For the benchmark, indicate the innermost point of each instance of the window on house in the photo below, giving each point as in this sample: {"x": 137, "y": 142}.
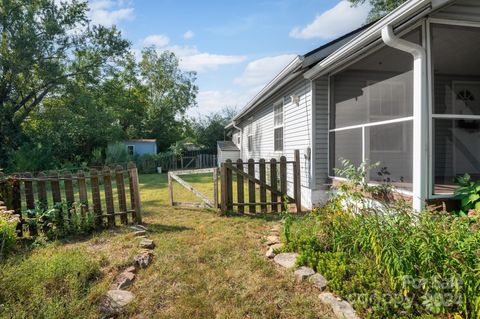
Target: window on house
{"x": 278, "y": 126}
{"x": 131, "y": 149}
{"x": 238, "y": 140}
{"x": 250, "y": 135}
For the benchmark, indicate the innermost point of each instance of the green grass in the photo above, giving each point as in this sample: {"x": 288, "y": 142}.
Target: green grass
{"x": 205, "y": 266}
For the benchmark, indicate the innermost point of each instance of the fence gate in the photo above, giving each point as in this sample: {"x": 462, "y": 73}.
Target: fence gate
{"x": 206, "y": 202}
{"x": 276, "y": 184}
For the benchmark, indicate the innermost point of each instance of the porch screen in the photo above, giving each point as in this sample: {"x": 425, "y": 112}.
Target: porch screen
{"x": 456, "y": 107}
{"x": 372, "y": 102}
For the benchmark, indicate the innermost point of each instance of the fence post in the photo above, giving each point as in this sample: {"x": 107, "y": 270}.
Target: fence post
{"x": 107, "y": 180}
{"x": 68, "y": 183}
{"x": 97, "y": 204}
{"x": 251, "y": 187}
{"x": 229, "y": 185}
{"x": 273, "y": 182}
{"x": 240, "y": 188}
{"x": 223, "y": 188}
{"x": 42, "y": 190}
{"x": 170, "y": 188}
{"x": 30, "y": 200}
{"x": 283, "y": 181}
{"x": 135, "y": 192}
{"x": 215, "y": 187}
{"x": 297, "y": 188}
{"x": 122, "y": 198}
{"x": 55, "y": 185}
{"x": 17, "y": 203}
{"x": 263, "y": 190}
{"x": 82, "y": 193}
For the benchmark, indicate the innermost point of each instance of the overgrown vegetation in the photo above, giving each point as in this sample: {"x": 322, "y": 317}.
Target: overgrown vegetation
{"x": 388, "y": 260}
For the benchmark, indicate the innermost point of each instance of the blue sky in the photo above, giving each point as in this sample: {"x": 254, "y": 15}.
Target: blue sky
{"x": 235, "y": 47}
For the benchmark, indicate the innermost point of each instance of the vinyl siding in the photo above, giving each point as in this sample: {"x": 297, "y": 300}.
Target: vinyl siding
{"x": 297, "y": 132}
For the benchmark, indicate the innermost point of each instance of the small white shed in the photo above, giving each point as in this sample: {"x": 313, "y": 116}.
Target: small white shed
{"x": 227, "y": 150}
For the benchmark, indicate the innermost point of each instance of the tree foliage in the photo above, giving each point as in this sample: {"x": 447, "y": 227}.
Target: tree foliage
{"x": 211, "y": 128}
{"x": 380, "y": 8}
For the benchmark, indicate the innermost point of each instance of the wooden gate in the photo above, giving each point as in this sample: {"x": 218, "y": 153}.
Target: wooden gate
{"x": 276, "y": 184}
{"x": 206, "y": 202}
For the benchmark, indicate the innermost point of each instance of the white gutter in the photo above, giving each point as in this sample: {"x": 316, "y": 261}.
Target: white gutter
{"x": 420, "y": 113}
{"x": 397, "y": 16}
{"x": 266, "y": 91}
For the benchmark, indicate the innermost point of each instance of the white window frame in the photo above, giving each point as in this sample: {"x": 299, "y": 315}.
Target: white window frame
{"x": 276, "y": 126}
{"x": 431, "y": 102}
{"x": 250, "y": 135}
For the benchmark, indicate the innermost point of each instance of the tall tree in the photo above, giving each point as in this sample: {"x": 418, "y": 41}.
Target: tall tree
{"x": 171, "y": 92}
{"x": 43, "y": 45}
{"x": 211, "y": 128}
{"x": 379, "y": 7}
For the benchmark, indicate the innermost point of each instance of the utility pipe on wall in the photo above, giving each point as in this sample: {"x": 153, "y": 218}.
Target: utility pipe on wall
{"x": 420, "y": 113}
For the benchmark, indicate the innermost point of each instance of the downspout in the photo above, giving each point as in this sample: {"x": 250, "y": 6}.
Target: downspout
{"x": 234, "y": 125}
{"x": 420, "y": 113}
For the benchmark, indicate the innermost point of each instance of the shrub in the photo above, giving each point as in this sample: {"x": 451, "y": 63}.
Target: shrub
{"x": 116, "y": 153}
{"x": 8, "y": 234}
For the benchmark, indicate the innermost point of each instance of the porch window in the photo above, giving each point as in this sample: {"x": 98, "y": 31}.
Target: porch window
{"x": 456, "y": 105}
{"x": 278, "y": 126}
{"x": 371, "y": 115}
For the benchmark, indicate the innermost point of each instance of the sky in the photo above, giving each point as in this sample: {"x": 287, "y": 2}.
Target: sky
{"x": 236, "y": 47}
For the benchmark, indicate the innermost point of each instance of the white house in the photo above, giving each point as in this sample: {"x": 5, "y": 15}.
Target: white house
{"x": 403, "y": 91}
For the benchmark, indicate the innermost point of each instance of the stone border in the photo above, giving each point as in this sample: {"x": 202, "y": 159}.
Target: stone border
{"x": 341, "y": 308}
{"x": 118, "y": 296}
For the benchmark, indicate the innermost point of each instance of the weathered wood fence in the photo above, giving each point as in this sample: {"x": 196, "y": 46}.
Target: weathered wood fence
{"x": 23, "y": 191}
{"x": 205, "y": 201}
{"x": 275, "y": 184}
{"x": 173, "y": 162}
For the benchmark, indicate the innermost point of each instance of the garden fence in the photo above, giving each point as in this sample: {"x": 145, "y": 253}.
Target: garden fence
{"x": 23, "y": 191}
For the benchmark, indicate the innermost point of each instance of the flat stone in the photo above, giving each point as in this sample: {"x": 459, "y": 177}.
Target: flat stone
{"x": 115, "y": 301}
{"x": 272, "y": 240}
{"x": 303, "y": 273}
{"x": 140, "y": 233}
{"x": 124, "y": 280}
{"x": 147, "y": 243}
{"x": 286, "y": 260}
{"x": 318, "y": 281}
{"x": 143, "y": 260}
{"x": 271, "y": 250}
{"x": 341, "y": 308}
{"x": 131, "y": 269}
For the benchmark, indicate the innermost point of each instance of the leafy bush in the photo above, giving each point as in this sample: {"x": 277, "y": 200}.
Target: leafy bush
{"x": 116, "y": 153}
{"x": 47, "y": 283}
{"x": 32, "y": 158}
{"x": 8, "y": 234}
{"x": 468, "y": 193}
{"x": 390, "y": 261}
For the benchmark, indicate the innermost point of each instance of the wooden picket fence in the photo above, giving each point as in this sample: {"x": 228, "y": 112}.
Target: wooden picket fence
{"x": 22, "y": 191}
{"x": 277, "y": 185}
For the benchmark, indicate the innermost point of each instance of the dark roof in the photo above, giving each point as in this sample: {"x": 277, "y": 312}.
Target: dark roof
{"x": 227, "y": 146}
{"x": 325, "y": 50}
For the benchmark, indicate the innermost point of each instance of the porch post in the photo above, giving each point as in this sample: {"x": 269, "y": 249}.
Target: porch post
{"x": 420, "y": 113}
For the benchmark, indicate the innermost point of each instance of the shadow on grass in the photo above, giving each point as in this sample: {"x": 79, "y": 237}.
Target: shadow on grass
{"x": 269, "y": 217}
{"x": 160, "y": 228}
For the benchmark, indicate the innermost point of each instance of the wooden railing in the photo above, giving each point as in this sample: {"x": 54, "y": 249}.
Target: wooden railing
{"x": 108, "y": 190}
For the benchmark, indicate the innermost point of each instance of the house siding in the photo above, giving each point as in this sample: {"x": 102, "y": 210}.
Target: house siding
{"x": 321, "y": 135}
{"x": 297, "y": 132}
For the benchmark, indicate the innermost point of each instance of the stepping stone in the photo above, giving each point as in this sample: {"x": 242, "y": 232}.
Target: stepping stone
{"x": 125, "y": 280}
{"x": 143, "y": 260}
{"x": 131, "y": 269}
{"x": 115, "y": 301}
{"x": 271, "y": 250}
{"x": 140, "y": 233}
{"x": 341, "y": 308}
{"x": 147, "y": 243}
{"x": 286, "y": 260}
{"x": 303, "y": 273}
{"x": 318, "y": 281}
{"x": 272, "y": 240}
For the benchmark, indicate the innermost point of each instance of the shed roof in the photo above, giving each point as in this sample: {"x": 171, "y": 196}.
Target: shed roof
{"x": 227, "y": 146}
{"x": 142, "y": 140}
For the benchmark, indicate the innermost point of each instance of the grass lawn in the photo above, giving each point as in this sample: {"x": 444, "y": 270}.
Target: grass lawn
{"x": 205, "y": 266}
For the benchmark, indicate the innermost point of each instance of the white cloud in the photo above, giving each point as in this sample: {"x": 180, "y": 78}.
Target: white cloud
{"x": 210, "y": 101}
{"x": 109, "y": 12}
{"x": 191, "y": 59}
{"x": 259, "y": 72}
{"x": 158, "y": 40}
{"x": 188, "y": 35}
{"x": 335, "y": 22}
